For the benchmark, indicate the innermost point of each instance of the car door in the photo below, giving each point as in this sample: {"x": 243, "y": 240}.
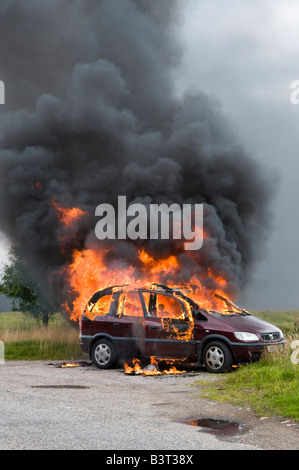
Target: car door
{"x": 98, "y": 312}
{"x": 169, "y": 331}
{"x": 119, "y": 316}
{"x": 128, "y": 325}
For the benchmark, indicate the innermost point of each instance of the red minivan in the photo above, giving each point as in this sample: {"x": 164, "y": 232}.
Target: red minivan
{"x": 123, "y": 323}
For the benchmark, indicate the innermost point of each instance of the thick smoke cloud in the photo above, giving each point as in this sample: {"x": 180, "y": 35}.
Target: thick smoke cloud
{"x": 92, "y": 114}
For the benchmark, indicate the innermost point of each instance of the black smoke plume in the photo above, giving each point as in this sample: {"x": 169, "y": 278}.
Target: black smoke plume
{"x": 91, "y": 114}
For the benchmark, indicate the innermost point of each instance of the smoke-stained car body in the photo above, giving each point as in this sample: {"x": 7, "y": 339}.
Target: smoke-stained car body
{"x": 162, "y": 322}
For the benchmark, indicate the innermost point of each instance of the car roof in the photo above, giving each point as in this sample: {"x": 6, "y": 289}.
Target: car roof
{"x": 155, "y": 289}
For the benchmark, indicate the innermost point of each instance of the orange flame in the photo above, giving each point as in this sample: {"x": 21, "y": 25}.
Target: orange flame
{"x": 68, "y": 216}
{"x": 158, "y": 266}
{"x": 70, "y": 364}
{"x": 89, "y": 272}
{"x": 137, "y": 369}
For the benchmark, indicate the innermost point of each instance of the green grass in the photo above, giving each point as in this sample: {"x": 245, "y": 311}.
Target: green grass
{"x": 270, "y": 386}
{"x": 33, "y": 350}
{"x": 16, "y": 321}
{"x": 24, "y": 339}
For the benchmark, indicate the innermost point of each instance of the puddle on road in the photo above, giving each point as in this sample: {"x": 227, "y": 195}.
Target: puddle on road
{"x": 221, "y": 427}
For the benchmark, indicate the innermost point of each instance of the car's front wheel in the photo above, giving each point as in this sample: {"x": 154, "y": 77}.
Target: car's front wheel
{"x": 103, "y": 354}
{"x": 217, "y": 357}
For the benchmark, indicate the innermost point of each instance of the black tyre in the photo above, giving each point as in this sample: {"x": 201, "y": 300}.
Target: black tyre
{"x": 217, "y": 357}
{"x": 103, "y": 354}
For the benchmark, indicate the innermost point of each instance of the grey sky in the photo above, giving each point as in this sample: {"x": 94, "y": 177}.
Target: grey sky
{"x": 246, "y": 55}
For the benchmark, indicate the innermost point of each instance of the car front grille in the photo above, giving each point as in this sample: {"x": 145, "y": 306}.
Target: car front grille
{"x": 270, "y": 336}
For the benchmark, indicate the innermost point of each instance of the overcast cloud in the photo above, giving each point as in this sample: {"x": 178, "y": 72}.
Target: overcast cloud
{"x": 246, "y": 55}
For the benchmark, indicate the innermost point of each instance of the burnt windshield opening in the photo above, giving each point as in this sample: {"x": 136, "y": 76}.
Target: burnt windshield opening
{"x": 229, "y": 308}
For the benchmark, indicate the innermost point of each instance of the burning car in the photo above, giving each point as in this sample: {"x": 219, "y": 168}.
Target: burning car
{"x": 121, "y": 322}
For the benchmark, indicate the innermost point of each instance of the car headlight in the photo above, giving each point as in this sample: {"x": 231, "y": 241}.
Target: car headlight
{"x": 244, "y": 336}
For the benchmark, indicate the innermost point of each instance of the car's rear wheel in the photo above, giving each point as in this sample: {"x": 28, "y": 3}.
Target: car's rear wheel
{"x": 217, "y": 357}
{"x": 103, "y": 354}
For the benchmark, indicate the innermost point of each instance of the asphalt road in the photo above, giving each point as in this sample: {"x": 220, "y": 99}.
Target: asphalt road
{"x": 45, "y": 407}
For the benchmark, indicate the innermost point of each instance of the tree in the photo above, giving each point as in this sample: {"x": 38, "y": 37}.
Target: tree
{"x": 25, "y": 293}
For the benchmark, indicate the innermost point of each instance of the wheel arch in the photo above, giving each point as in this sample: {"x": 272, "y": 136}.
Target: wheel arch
{"x": 96, "y": 337}
{"x": 209, "y": 339}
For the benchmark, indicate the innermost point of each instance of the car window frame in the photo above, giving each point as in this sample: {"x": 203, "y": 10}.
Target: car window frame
{"x": 184, "y": 310}
{"x": 115, "y": 303}
{"x": 95, "y": 298}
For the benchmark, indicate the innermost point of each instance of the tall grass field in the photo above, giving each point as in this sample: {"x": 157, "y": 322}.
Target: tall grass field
{"x": 24, "y": 339}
